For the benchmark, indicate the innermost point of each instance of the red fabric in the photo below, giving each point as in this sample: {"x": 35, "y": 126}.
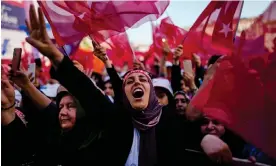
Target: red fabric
{"x": 62, "y": 23}
{"x": 239, "y": 90}
{"x": 121, "y": 51}
{"x": 172, "y": 33}
{"x": 219, "y": 15}
{"x": 72, "y": 20}
{"x": 83, "y": 57}
{"x": 158, "y": 41}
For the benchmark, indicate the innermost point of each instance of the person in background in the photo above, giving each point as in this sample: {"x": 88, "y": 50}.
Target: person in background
{"x": 136, "y": 126}
{"x": 108, "y": 89}
{"x": 211, "y": 126}
{"x": 163, "y": 90}
{"x": 38, "y": 71}
{"x": 199, "y": 70}
{"x": 256, "y": 155}
{"x": 184, "y": 83}
{"x": 97, "y": 77}
{"x": 69, "y": 136}
{"x": 18, "y": 143}
{"x": 181, "y": 102}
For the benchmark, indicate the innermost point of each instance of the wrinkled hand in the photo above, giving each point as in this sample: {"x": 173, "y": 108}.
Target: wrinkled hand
{"x": 189, "y": 78}
{"x": 7, "y": 94}
{"x": 197, "y": 60}
{"x": 21, "y": 79}
{"x": 78, "y": 65}
{"x": 100, "y": 53}
{"x": 178, "y": 52}
{"x": 39, "y": 37}
{"x": 216, "y": 149}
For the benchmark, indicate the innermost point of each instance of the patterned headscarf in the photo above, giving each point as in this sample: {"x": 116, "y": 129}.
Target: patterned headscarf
{"x": 148, "y": 117}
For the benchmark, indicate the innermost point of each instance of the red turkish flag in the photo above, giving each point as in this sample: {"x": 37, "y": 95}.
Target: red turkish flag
{"x": 214, "y": 29}
{"x": 226, "y": 25}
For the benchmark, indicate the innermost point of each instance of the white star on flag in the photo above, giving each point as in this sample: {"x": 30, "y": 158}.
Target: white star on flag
{"x": 225, "y": 29}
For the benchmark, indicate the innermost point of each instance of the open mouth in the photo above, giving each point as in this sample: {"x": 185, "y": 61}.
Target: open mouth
{"x": 138, "y": 93}
{"x": 63, "y": 120}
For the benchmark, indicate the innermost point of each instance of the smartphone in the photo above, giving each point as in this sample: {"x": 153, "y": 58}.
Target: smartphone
{"x": 16, "y": 59}
{"x": 31, "y": 70}
{"x": 187, "y": 64}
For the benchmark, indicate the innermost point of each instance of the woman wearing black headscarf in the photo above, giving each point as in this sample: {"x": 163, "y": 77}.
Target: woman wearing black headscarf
{"x": 135, "y": 130}
{"x": 68, "y": 136}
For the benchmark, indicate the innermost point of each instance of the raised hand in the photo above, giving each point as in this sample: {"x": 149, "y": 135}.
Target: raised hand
{"x": 189, "y": 79}
{"x": 21, "y": 79}
{"x": 216, "y": 149}
{"x": 39, "y": 37}
{"x": 197, "y": 60}
{"x": 178, "y": 52}
{"x": 100, "y": 53}
{"x": 166, "y": 48}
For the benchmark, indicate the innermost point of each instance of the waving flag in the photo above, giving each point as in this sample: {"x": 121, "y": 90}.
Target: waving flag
{"x": 121, "y": 51}
{"x": 73, "y": 20}
{"x": 214, "y": 28}
{"x": 173, "y": 34}
{"x": 239, "y": 90}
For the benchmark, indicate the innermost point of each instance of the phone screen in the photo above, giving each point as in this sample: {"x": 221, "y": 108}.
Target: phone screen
{"x": 187, "y": 64}
{"x": 31, "y": 70}
{"x": 16, "y": 59}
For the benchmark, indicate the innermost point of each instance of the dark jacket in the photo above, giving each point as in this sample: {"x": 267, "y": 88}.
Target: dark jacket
{"x": 17, "y": 144}
{"x": 54, "y": 147}
{"x": 75, "y": 147}
{"x": 114, "y": 119}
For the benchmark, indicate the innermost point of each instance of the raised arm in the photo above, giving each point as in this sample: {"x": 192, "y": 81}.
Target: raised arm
{"x": 116, "y": 82}
{"x": 115, "y": 79}
{"x": 37, "y": 98}
{"x": 176, "y": 70}
{"x": 68, "y": 75}
{"x": 199, "y": 71}
{"x": 163, "y": 68}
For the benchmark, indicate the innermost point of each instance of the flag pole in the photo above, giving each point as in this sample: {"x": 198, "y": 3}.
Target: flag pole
{"x": 133, "y": 52}
{"x": 64, "y": 50}
{"x": 235, "y": 34}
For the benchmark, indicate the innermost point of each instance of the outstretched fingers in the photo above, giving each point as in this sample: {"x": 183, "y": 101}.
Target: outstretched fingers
{"x": 33, "y": 18}
{"x": 42, "y": 24}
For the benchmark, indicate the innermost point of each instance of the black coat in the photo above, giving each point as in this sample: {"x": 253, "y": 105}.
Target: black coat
{"x": 17, "y": 144}
{"x": 42, "y": 142}
{"x": 115, "y": 120}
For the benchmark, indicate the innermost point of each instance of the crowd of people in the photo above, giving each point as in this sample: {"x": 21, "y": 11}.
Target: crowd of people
{"x": 129, "y": 118}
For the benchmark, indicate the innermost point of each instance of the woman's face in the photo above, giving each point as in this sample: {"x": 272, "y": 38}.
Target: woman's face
{"x": 67, "y": 114}
{"x": 137, "y": 89}
{"x": 210, "y": 126}
{"x": 108, "y": 89}
{"x": 161, "y": 96}
{"x": 184, "y": 87}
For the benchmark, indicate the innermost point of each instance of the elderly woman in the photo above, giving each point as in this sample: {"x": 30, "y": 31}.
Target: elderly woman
{"x": 135, "y": 128}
